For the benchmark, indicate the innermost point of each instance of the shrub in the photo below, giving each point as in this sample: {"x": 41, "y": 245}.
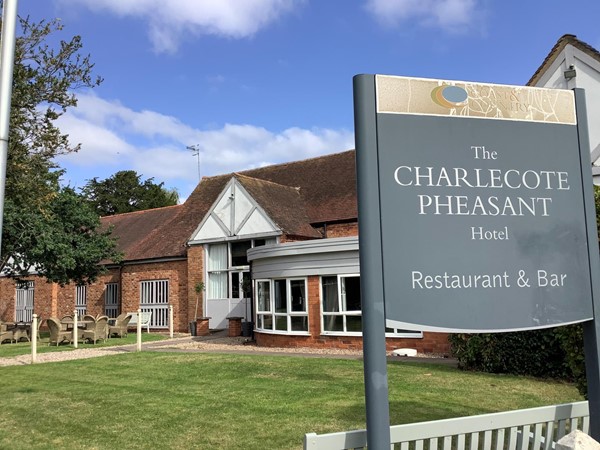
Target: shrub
{"x": 536, "y": 353}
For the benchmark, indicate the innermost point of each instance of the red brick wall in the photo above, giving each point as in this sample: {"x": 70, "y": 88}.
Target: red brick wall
{"x": 429, "y": 343}
{"x": 44, "y": 298}
{"x": 195, "y": 274}
{"x": 174, "y": 271}
{"x": 335, "y": 230}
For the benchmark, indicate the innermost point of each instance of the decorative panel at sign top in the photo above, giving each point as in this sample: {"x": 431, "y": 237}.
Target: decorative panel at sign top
{"x": 444, "y": 98}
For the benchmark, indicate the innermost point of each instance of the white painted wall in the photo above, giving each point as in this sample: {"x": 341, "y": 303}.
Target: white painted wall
{"x": 588, "y": 78}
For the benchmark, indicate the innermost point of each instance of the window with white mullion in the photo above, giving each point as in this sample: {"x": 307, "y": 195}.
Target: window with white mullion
{"x": 341, "y": 304}
{"x": 111, "y": 300}
{"x": 282, "y": 305}
{"x": 81, "y": 300}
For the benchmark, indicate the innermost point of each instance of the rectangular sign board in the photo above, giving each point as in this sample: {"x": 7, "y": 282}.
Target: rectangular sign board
{"x": 478, "y": 219}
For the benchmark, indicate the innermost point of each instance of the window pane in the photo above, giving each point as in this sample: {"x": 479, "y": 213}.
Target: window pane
{"x": 238, "y": 253}
{"x": 354, "y": 323}
{"x": 265, "y": 321}
{"x": 298, "y": 288}
{"x": 280, "y": 296}
{"x": 281, "y": 323}
{"x": 235, "y": 285}
{"x": 217, "y": 285}
{"x": 259, "y": 242}
{"x": 300, "y": 323}
{"x": 264, "y": 295}
{"x": 333, "y": 323}
{"x": 217, "y": 257}
{"x": 330, "y": 294}
{"x": 351, "y": 292}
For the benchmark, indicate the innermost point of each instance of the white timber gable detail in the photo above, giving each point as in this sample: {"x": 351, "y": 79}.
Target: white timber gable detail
{"x": 574, "y": 68}
{"x": 234, "y": 215}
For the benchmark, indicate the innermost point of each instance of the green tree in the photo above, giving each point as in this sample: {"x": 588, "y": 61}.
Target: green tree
{"x": 126, "y": 192}
{"x": 35, "y": 222}
{"x": 65, "y": 242}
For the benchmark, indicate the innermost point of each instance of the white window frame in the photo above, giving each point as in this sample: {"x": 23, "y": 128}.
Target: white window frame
{"x": 81, "y": 300}
{"x": 342, "y": 312}
{"x": 24, "y": 301}
{"x": 229, "y": 268}
{"x": 289, "y": 314}
{"x": 154, "y": 298}
{"x": 111, "y": 299}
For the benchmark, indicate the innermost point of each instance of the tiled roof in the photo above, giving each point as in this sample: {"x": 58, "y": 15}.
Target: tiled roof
{"x": 283, "y": 204}
{"x": 294, "y": 195}
{"x": 144, "y": 234}
{"x": 327, "y": 184}
{"x": 564, "y": 40}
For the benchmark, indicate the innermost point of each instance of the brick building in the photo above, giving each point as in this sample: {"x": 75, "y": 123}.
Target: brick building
{"x": 230, "y": 224}
{"x": 275, "y": 246}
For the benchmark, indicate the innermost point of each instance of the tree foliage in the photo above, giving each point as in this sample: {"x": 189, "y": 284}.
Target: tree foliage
{"x": 39, "y": 233}
{"x": 126, "y": 192}
{"x": 65, "y": 242}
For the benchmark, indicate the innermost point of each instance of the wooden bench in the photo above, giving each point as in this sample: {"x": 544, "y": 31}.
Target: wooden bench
{"x": 144, "y": 319}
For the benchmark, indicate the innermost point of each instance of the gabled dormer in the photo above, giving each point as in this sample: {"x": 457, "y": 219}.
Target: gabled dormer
{"x": 234, "y": 215}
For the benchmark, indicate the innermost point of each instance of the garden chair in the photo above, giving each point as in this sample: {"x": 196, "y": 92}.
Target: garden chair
{"x": 68, "y": 317}
{"x": 5, "y": 333}
{"x": 120, "y": 326}
{"x": 40, "y": 320}
{"x": 97, "y": 330}
{"x": 57, "y": 334}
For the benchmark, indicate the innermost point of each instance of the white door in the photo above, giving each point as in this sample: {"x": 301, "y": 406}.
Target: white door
{"x": 237, "y": 304}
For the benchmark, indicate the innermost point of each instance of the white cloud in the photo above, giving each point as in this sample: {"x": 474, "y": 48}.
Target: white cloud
{"x": 115, "y": 137}
{"x": 452, "y": 15}
{"x": 170, "y": 20}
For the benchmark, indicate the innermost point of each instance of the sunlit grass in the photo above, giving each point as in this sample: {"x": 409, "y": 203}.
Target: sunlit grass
{"x": 215, "y": 401}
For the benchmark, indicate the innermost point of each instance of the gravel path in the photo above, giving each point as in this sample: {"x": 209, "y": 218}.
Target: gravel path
{"x": 189, "y": 344}
{"x": 81, "y": 353}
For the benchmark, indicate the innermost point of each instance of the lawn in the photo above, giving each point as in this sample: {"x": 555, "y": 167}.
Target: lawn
{"x": 23, "y": 348}
{"x": 217, "y": 401}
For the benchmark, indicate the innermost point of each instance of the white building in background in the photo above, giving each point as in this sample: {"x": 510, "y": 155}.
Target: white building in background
{"x": 574, "y": 64}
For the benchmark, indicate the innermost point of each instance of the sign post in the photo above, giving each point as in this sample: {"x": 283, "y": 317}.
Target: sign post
{"x": 476, "y": 211}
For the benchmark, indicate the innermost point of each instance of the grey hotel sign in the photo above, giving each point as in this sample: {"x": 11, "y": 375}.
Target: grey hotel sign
{"x": 478, "y": 217}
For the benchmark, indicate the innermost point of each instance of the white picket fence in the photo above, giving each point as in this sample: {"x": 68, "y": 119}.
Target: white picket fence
{"x": 525, "y": 429}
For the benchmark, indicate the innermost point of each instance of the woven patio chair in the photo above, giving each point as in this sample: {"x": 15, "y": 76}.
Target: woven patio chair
{"x": 57, "y": 334}
{"x": 5, "y": 333}
{"x": 120, "y": 326}
{"x": 97, "y": 330}
{"x": 64, "y": 326}
{"x": 40, "y": 320}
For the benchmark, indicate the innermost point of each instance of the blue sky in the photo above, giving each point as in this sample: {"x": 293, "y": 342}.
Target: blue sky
{"x": 255, "y": 82}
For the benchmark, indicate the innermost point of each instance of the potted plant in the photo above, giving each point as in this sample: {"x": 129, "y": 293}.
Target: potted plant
{"x": 198, "y": 288}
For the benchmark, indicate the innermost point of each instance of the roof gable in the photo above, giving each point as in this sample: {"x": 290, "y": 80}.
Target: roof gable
{"x": 568, "y": 51}
{"x": 235, "y": 213}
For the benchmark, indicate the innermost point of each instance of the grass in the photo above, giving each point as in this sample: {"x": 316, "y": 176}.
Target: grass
{"x": 24, "y": 348}
{"x": 217, "y": 401}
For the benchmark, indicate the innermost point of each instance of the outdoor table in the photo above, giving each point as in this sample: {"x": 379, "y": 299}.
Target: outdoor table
{"x": 80, "y": 324}
{"x": 20, "y": 330}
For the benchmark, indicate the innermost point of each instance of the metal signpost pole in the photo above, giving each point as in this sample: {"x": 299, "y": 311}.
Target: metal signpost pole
{"x": 591, "y": 330}
{"x": 373, "y": 317}
{"x": 7, "y": 57}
